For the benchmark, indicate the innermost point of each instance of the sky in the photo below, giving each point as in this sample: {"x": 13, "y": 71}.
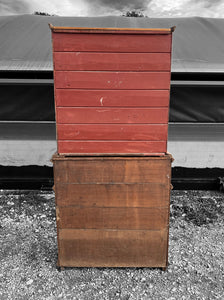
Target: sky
{"x": 150, "y": 8}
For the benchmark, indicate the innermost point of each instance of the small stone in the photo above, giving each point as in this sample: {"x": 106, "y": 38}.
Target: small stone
{"x": 29, "y": 282}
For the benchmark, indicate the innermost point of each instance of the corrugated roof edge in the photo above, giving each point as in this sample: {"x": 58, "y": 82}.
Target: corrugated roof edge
{"x": 112, "y": 30}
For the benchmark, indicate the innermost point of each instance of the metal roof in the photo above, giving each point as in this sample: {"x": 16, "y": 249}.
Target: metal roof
{"x": 25, "y": 40}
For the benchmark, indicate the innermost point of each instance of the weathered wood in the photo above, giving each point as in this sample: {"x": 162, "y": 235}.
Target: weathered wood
{"x": 94, "y": 147}
{"x": 91, "y": 61}
{"x": 136, "y": 132}
{"x": 85, "y": 115}
{"x": 112, "y": 80}
{"x": 111, "y": 42}
{"x": 113, "y": 30}
{"x": 112, "y": 248}
{"x": 106, "y": 76}
{"x": 130, "y": 218}
{"x": 112, "y": 211}
{"x": 112, "y": 195}
{"x": 110, "y": 98}
{"x": 112, "y": 170}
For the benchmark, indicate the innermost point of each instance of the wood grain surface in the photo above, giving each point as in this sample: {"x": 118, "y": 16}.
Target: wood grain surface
{"x": 111, "y": 147}
{"x": 137, "y": 218}
{"x": 99, "y": 115}
{"x": 112, "y": 212}
{"x": 112, "y": 170}
{"x": 112, "y": 195}
{"x": 112, "y": 80}
{"x": 90, "y": 61}
{"x": 111, "y": 42}
{"x": 136, "y": 132}
{"x": 110, "y": 98}
{"x": 112, "y": 248}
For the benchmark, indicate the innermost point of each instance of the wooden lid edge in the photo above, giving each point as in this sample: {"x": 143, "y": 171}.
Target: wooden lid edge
{"x": 111, "y": 30}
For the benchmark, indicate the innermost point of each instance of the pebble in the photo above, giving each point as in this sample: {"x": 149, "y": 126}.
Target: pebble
{"x": 29, "y": 282}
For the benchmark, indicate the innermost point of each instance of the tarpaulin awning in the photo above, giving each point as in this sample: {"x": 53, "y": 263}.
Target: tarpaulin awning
{"x": 25, "y": 40}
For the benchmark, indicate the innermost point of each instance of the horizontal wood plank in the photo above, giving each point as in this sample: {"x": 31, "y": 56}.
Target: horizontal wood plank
{"x": 88, "y": 61}
{"x": 92, "y": 147}
{"x": 136, "y": 132}
{"x": 107, "y": 98}
{"x": 111, "y": 42}
{"x": 99, "y": 115}
{"x": 112, "y": 80}
{"x": 112, "y": 195}
{"x": 112, "y": 248}
{"x": 112, "y": 218}
{"x": 110, "y": 170}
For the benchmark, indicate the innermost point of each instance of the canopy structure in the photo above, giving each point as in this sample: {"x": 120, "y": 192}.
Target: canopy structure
{"x": 25, "y": 42}
{"x": 196, "y": 127}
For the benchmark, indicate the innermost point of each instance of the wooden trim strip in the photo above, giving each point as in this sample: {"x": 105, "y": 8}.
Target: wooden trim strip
{"x": 111, "y": 30}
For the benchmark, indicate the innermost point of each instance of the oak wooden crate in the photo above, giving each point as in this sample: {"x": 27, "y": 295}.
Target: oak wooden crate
{"x": 112, "y": 89}
{"x": 112, "y": 211}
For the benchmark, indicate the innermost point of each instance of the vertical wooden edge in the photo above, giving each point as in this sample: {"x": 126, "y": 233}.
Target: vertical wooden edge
{"x": 58, "y": 239}
{"x": 168, "y": 223}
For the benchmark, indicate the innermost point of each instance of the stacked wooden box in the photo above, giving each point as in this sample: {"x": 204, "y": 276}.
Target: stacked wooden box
{"x": 112, "y": 173}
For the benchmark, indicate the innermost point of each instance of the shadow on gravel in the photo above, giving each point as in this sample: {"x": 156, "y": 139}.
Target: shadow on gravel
{"x": 206, "y": 210}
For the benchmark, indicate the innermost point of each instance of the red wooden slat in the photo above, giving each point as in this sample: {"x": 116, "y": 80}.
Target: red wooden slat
{"x": 146, "y": 147}
{"x": 87, "y": 61}
{"x": 111, "y": 115}
{"x": 112, "y": 80}
{"x": 70, "y": 97}
{"x": 112, "y": 132}
{"x": 111, "y": 42}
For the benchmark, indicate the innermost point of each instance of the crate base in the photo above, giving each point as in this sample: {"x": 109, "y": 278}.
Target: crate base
{"x": 112, "y": 211}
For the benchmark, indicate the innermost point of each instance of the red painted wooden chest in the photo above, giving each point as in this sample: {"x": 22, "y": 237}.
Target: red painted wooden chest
{"x": 112, "y": 89}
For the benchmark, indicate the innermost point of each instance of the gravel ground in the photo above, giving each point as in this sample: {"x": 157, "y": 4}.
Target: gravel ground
{"x": 28, "y": 254}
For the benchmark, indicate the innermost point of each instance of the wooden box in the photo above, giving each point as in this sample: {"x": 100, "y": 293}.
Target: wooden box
{"x": 112, "y": 211}
{"x": 112, "y": 89}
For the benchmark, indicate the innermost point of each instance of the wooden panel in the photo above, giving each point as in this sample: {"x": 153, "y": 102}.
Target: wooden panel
{"x": 109, "y": 170}
{"x": 112, "y": 248}
{"x": 101, "y": 115}
{"x": 111, "y": 42}
{"x": 91, "y": 147}
{"x": 112, "y": 80}
{"x": 105, "y": 98}
{"x": 87, "y": 61}
{"x": 151, "y": 132}
{"x": 112, "y": 195}
{"x": 112, "y": 218}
